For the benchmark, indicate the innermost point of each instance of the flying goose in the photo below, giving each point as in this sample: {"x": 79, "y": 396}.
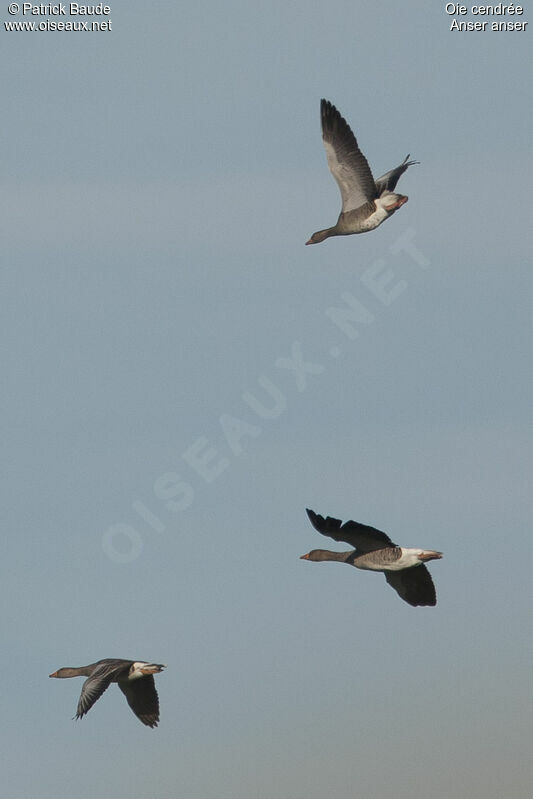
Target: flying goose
{"x": 365, "y": 203}
{"x": 134, "y": 678}
{"x": 404, "y": 568}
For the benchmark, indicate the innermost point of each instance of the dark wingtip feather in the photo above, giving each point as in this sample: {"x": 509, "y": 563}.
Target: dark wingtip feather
{"x": 316, "y": 520}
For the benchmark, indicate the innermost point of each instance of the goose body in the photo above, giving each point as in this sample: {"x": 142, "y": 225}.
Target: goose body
{"x": 365, "y": 203}
{"x": 135, "y": 680}
{"x": 403, "y": 567}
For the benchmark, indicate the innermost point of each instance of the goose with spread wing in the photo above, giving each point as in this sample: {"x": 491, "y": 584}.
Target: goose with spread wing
{"x": 404, "y": 568}
{"x": 134, "y": 678}
{"x": 366, "y": 203}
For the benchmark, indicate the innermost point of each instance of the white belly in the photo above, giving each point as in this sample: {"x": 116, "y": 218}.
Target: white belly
{"x": 408, "y": 558}
{"x": 375, "y": 219}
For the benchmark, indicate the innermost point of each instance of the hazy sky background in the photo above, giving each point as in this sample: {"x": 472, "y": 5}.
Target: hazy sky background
{"x": 159, "y": 182}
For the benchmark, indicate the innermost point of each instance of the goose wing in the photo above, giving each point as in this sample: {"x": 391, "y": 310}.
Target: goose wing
{"x": 347, "y": 163}
{"x": 104, "y": 672}
{"x": 91, "y": 690}
{"x": 388, "y": 181}
{"x": 414, "y": 585}
{"x": 360, "y": 536}
{"x": 142, "y": 698}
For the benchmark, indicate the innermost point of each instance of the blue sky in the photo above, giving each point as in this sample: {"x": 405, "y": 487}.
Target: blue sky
{"x": 159, "y": 182}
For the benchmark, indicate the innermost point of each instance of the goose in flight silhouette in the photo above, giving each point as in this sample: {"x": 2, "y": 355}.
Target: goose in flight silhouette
{"x": 403, "y": 568}
{"x": 365, "y": 203}
{"x": 134, "y": 678}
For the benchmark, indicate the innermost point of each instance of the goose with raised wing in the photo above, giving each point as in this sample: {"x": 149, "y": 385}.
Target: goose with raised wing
{"x": 403, "y": 568}
{"x": 366, "y": 203}
{"x": 134, "y": 678}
